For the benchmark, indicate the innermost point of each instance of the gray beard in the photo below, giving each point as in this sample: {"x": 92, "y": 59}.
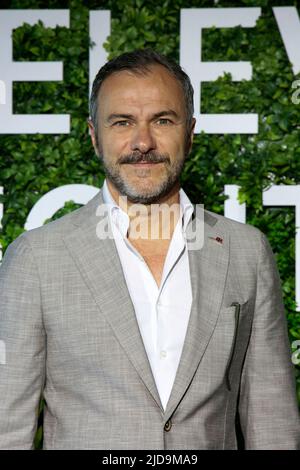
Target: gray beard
{"x": 152, "y": 196}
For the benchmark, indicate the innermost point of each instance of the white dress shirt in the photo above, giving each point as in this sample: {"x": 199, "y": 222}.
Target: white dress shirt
{"x": 162, "y": 312}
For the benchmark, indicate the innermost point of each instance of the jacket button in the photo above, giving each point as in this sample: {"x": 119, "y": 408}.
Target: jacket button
{"x": 168, "y": 425}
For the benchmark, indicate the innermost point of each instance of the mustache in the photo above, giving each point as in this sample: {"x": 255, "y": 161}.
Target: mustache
{"x": 150, "y": 157}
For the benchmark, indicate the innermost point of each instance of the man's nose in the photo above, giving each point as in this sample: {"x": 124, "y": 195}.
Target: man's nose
{"x": 142, "y": 138}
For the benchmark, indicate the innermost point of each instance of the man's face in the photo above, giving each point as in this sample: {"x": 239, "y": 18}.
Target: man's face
{"x": 142, "y": 134}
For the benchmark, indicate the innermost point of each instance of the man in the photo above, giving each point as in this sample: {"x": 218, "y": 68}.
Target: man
{"x": 141, "y": 341}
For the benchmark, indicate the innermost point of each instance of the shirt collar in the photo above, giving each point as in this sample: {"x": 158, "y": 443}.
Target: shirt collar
{"x": 121, "y": 219}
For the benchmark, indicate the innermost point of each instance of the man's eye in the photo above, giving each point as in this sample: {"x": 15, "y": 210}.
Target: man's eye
{"x": 163, "y": 121}
{"x": 121, "y": 123}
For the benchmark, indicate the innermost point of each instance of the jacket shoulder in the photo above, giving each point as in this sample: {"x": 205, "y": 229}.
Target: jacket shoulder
{"x": 238, "y": 231}
{"x": 54, "y": 231}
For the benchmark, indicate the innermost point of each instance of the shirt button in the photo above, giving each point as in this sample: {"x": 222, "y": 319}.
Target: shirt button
{"x": 168, "y": 425}
{"x": 163, "y": 354}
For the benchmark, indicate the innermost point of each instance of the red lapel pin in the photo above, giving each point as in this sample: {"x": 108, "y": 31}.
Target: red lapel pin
{"x": 217, "y": 239}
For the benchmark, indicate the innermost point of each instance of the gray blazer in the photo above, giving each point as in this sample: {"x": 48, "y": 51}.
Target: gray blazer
{"x": 70, "y": 331}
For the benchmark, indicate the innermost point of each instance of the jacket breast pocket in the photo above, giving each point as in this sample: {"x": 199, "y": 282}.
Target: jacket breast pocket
{"x": 241, "y": 317}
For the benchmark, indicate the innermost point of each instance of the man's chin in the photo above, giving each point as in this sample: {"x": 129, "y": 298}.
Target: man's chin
{"x": 143, "y": 196}
{"x": 142, "y": 191}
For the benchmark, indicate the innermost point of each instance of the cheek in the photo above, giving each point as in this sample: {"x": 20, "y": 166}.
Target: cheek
{"x": 172, "y": 142}
{"x": 176, "y": 150}
{"x": 114, "y": 146}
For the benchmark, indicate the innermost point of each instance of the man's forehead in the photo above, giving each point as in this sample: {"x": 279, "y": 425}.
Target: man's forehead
{"x": 147, "y": 72}
{"x": 135, "y": 89}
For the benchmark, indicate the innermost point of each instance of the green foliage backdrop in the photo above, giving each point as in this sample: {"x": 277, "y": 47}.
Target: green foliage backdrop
{"x": 32, "y": 165}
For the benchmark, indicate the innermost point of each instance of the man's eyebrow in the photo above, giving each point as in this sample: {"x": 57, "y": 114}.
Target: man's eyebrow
{"x": 113, "y": 116}
{"x": 166, "y": 112}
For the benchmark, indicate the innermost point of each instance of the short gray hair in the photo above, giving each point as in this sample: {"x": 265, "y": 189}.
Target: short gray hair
{"x": 139, "y": 61}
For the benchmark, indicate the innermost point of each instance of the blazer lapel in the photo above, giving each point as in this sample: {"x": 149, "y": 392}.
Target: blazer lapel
{"x": 99, "y": 264}
{"x": 208, "y": 269}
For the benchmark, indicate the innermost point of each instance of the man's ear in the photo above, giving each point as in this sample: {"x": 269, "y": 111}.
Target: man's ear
{"x": 191, "y": 136}
{"x": 93, "y": 136}
{"x": 193, "y": 128}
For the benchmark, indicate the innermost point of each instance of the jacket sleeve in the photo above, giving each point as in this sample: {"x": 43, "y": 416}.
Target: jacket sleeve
{"x": 268, "y": 409}
{"x": 23, "y": 346}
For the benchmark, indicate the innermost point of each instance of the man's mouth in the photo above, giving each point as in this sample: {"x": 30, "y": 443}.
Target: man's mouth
{"x": 144, "y": 163}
